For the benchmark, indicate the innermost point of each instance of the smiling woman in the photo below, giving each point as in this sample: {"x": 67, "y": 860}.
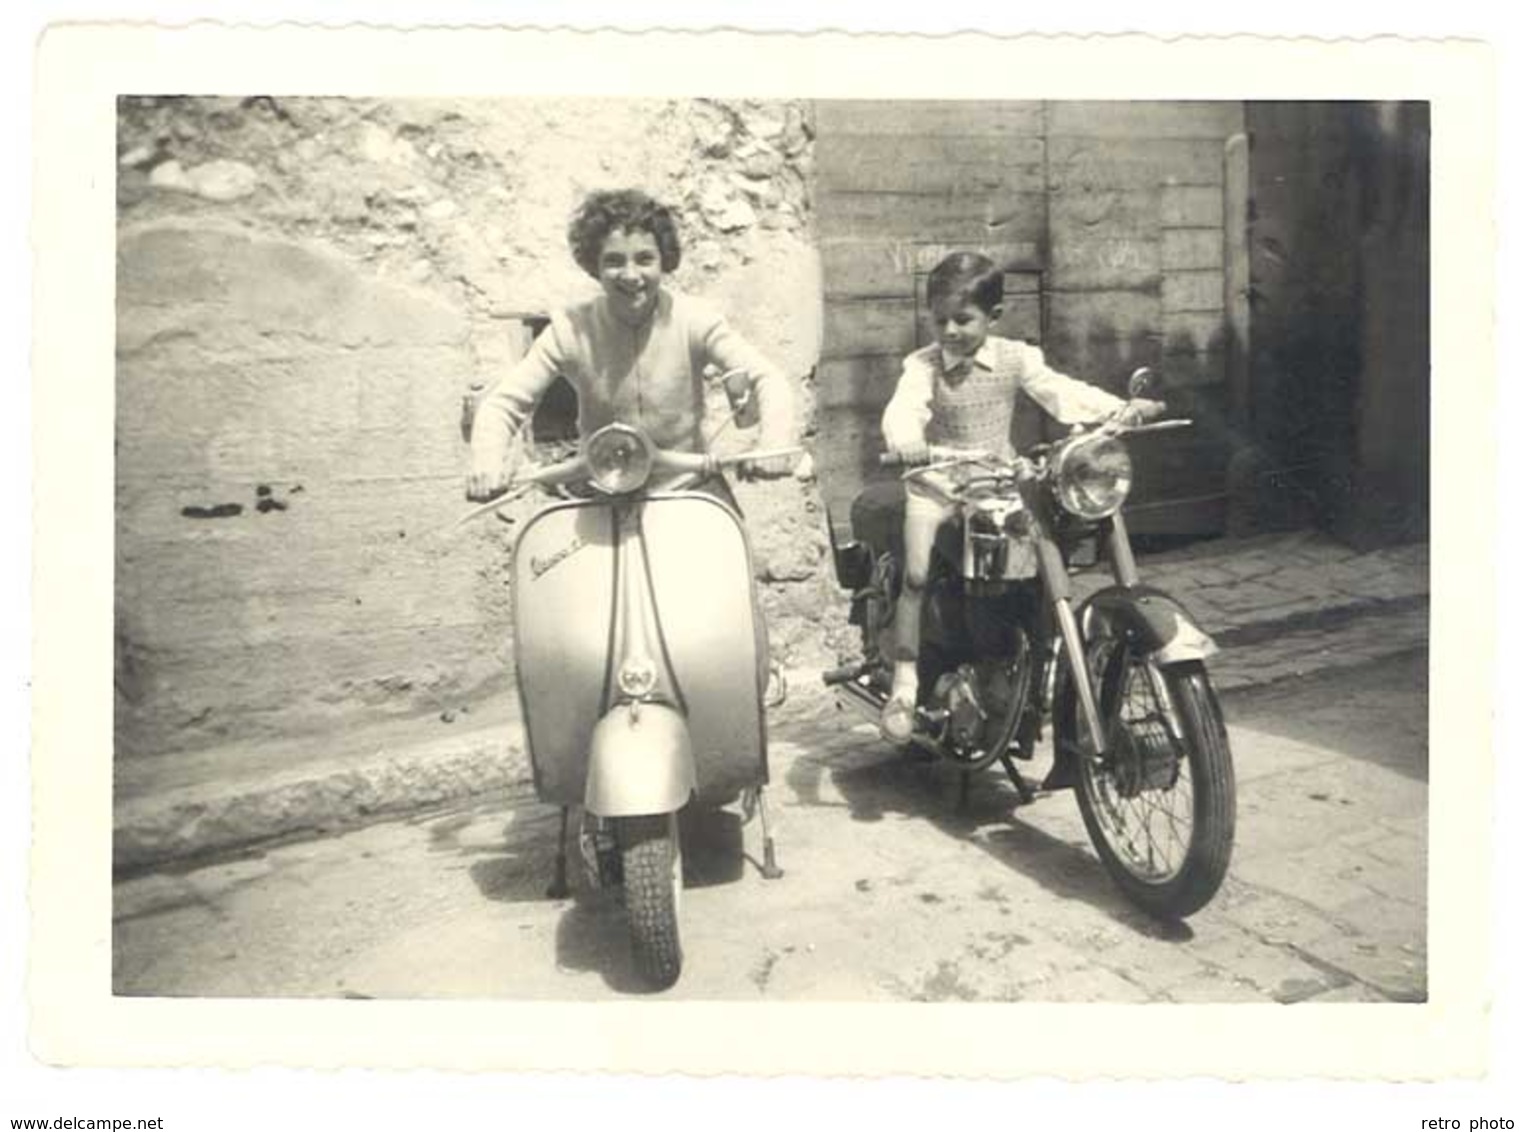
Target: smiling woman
{"x": 636, "y": 353}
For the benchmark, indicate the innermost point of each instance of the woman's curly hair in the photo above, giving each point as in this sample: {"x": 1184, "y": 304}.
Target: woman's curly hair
{"x": 621, "y": 210}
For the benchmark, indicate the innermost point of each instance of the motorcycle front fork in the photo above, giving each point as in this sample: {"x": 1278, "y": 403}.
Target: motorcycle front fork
{"x": 1056, "y": 582}
{"x": 1125, "y": 572}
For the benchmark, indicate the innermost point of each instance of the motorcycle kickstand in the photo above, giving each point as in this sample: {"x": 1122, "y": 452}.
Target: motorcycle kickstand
{"x": 963, "y": 790}
{"x": 559, "y": 889}
{"x": 1025, "y": 794}
{"x": 770, "y": 869}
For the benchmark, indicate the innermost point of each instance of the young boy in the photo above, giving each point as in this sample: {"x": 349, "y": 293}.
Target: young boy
{"x": 960, "y": 393}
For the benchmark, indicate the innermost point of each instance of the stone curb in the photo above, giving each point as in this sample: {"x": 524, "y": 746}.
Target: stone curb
{"x": 200, "y": 820}
{"x": 206, "y": 820}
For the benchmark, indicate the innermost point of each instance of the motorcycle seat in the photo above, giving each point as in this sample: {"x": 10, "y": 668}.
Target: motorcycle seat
{"x": 878, "y": 521}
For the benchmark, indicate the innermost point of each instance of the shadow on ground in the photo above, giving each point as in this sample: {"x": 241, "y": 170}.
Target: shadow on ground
{"x": 592, "y": 933}
{"x": 874, "y": 781}
{"x": 1357, "y": 722}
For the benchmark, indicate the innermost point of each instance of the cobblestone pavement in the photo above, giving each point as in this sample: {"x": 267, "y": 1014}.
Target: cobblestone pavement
{"x": 1230, "y": 584}
{"x": 892, "y": 891}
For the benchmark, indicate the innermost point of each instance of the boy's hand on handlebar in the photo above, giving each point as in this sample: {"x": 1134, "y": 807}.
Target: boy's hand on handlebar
{"x": 918, "y": 453}
{"x": 1139, "y": 411}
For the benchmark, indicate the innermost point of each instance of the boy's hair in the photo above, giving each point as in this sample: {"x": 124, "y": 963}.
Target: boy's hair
{"x": 966, "y": 277}
{"x": 621, "y": 210}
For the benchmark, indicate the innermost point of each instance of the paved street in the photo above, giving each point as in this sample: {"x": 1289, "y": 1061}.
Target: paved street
{"x": 891, "y": 892}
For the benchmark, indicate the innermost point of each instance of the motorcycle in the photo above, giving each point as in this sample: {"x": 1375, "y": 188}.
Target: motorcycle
{"x": 641, "y": 663}
{"x": 1138, "y": 733}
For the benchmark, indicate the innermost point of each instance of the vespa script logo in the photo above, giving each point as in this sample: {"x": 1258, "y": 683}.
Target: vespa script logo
{"x": 540, "y": 566}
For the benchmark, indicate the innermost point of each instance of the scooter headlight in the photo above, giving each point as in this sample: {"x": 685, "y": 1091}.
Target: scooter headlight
{"x": 619, "y": 459}
{"x": 1092, "y": 476}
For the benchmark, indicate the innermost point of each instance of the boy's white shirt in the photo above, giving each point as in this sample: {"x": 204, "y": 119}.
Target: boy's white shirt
{"x": 1066, "y": 399}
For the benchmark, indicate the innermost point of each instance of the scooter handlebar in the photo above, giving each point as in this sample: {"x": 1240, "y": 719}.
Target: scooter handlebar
{"x": 563, "y": 471}
{"x": 700, "y": 463}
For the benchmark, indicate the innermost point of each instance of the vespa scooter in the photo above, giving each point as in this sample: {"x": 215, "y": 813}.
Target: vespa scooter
{"x": 641, "y": 663}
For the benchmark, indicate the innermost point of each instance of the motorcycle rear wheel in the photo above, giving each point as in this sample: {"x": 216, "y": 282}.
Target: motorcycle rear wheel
{"x": 652, "y": 864}
{"x": 1166, "y": 844}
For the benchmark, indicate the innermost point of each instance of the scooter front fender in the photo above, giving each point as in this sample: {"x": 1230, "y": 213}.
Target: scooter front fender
{"x": 1164, "y": 631}
{"x": 641, "y": 762}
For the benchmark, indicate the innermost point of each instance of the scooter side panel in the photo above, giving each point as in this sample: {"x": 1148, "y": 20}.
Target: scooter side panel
{"x": 563, "y": 610}
{"x": 701, "y": 571}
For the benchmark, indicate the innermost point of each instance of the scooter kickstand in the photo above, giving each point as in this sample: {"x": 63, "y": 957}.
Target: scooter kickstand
{"x": 770, "y": 869}
{"x": 559, "y": 889}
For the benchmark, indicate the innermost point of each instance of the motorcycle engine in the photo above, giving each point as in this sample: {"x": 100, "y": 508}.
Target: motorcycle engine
{"x": 958, "y": 694}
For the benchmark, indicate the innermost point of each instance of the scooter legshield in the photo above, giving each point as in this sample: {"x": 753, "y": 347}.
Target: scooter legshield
{"x": 701, "y": 580}
{"x": 563, "y": 607}
{"x": 710, "y": 637}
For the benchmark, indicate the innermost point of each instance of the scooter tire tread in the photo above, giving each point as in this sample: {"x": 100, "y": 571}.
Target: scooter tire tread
{"x": 647, "y": 856}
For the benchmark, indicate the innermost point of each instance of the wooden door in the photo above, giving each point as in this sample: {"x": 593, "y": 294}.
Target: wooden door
{"x": 1110, "y": 222}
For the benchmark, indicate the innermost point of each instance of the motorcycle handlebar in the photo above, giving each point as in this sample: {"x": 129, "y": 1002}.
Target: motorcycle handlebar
{"x": 1156, "y": 426}
{"x": 936, "y": 455}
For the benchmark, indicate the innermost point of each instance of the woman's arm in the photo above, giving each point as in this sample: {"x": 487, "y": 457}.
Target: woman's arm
{"x": 722, "y": 346}
{"x": 509, "y": 404}
{"x": 504, "y": 410}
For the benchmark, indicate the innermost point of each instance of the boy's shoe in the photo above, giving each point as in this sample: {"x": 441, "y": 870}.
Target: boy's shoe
{"x": 897, "y": 722}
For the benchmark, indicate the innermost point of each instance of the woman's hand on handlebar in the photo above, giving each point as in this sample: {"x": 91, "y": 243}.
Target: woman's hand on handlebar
{"x": 482, "y": 486}
{"x": 767, "y": 468}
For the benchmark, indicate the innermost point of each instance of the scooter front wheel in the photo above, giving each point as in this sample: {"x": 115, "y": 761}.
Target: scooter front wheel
{"x": 652, "y": 864}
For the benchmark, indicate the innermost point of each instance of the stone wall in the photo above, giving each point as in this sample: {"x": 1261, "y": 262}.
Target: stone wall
{"x": 306, "y": 288}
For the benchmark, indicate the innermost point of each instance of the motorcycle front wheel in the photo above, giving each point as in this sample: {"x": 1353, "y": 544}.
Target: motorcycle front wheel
{"x": 1159, "y": 802}
{"x": 652, "y": 865}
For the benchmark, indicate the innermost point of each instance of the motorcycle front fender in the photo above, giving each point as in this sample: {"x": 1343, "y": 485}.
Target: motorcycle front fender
{"x": 641, "y": 762}
{"x": 1155, "y": 621}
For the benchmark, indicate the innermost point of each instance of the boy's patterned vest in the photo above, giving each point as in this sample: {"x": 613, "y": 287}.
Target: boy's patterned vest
{"x": 972, "y": 408}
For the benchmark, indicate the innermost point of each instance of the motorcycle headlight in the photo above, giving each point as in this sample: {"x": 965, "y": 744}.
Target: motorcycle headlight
{"x": 619, "y": 459}
{"x": 1092, "y": 476}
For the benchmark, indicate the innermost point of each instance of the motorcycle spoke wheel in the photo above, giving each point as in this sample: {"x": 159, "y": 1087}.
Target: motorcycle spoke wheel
{"x": 1159, "y": 808}
{"x": 1151, "y": 829}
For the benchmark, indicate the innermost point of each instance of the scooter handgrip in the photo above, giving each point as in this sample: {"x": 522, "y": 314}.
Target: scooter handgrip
{"x": 558, "y": 472}
{"x": 765, "y": 454}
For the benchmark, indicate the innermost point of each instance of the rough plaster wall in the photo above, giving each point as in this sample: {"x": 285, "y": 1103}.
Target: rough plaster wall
{"x": 306, "y": 288}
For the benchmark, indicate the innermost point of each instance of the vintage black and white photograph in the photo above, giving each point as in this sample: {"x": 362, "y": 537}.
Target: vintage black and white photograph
{"x": 876, "y": 566}
{"x": 800, "y": 549}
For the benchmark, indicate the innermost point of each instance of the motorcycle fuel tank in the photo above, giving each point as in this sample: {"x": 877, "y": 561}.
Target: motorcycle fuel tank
{"x": 705, "y": 627}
